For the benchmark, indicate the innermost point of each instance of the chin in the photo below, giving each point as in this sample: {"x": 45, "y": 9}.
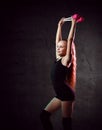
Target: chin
{"x": 61, "y": 55}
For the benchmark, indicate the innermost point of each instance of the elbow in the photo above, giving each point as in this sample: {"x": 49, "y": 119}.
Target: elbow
{"x": 56, "y": 41}
{"x": 70, "y": 39}
{"x": 69, "y": 58}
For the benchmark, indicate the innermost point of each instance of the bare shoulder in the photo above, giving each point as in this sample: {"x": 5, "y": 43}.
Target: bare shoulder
{"x": 65, "y": 61}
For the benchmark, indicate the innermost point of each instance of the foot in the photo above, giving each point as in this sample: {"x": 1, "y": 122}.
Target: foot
{"x": 81, "y": 19}
{"x": 78, "y": 18}
{"x": 75, "y": 17}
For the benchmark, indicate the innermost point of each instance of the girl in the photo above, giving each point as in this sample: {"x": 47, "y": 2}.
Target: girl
{"x": 63, "y": 76}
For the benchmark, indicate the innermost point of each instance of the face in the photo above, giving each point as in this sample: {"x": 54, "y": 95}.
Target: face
{"x": 61, "y": 48}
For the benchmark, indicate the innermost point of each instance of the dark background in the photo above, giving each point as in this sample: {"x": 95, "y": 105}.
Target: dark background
{"x": 27, "y": 50}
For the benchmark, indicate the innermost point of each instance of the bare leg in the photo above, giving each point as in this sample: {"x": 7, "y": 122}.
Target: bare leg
{"x": 67, "y": 108}
{"x": 54, "y": 105}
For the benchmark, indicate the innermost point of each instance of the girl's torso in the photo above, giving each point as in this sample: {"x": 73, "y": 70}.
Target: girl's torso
{"x": 59, "y": 72}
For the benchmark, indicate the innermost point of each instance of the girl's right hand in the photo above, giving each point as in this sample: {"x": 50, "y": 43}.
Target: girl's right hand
{"x": 61, "y": 22}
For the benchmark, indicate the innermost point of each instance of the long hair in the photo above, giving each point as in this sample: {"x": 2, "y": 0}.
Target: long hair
{"x": 71, "y": 77}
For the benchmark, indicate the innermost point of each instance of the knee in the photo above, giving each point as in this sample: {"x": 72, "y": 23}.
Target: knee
{"x": 44, "y": 115}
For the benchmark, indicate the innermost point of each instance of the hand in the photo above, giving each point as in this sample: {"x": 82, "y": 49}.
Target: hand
{"x": 61, "y": 22}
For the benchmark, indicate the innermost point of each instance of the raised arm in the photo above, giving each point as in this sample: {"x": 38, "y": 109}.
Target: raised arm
{"x": 75, "y": 19}
{"x": 59, "y": 30}
{"x": 59, "y": 35}
{"x": 70, "y": 39}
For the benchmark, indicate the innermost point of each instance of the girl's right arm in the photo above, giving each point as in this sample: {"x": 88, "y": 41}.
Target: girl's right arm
{"x": 59, "y": 34}
{"x": 59, "y": 30}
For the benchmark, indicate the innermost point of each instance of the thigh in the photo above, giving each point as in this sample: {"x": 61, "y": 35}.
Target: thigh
{"x": 53, "y": 105}
{"x": 67, "y": 108}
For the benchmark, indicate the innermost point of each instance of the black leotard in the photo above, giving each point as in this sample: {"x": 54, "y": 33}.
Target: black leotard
{"x": 58, "y": 76}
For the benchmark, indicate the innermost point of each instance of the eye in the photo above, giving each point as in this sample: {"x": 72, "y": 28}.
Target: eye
{"x": 61, "y": 46}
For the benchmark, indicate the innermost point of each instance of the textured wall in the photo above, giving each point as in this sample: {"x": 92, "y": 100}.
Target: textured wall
{"x": 27, "y": 53}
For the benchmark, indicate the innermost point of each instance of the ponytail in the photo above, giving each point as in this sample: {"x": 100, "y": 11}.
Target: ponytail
{"x": 71, "y": 77}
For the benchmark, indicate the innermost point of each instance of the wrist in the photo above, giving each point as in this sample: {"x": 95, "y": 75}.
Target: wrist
{"x": 59, "y": 25}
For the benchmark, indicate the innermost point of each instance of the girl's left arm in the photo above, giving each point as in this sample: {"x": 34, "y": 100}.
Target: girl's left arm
{"x": 69, "y": 41}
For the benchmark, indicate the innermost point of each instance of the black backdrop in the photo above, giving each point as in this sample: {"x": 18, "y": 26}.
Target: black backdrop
{"x": 28, "y": 31}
